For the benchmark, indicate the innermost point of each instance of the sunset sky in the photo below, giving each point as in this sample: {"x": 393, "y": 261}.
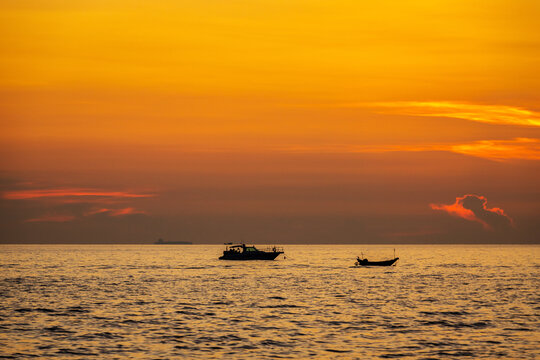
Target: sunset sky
{"x": 270, "y": 121}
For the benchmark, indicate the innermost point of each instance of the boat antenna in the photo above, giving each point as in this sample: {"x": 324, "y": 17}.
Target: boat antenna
{"x": 394, "y": 253}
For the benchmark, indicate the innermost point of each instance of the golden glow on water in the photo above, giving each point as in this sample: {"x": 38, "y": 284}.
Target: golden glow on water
{"x": 171, "y": 301}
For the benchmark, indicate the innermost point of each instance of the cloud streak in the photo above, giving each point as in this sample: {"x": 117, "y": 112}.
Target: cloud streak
{"x": 518, "y": 148}
{"x": 51, "y": 218}
{"x": 94, "y": 200}
{"x": 492, "y": 114}
{"x": 68, "y": 193}
{"x": 115, "y": 212}
{"x": 474, "y": 208}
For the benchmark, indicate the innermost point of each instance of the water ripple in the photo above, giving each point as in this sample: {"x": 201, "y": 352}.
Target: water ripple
{"x": 144, "y": 302}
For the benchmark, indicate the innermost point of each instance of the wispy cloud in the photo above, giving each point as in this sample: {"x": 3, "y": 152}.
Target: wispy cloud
{"x": 493, "y": 114}
{"x": 78, "y": 203}
{"x": 350, "y": 148}
{"x": 52, "y": 218}
{"x": 68, "y": 193}
{"x": 519, "y": 148}
{"x": 474, "y": 208}
{"x": 115, "y": 212}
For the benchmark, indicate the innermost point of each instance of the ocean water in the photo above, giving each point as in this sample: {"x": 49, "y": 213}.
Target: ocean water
{"x": 179, "y": 301}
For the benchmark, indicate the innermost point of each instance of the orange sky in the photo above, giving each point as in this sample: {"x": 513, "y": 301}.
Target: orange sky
{"x": 298, "y": 109}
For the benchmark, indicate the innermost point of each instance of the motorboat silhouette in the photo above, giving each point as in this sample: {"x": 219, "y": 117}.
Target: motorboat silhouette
{"x": 243, "y": 252}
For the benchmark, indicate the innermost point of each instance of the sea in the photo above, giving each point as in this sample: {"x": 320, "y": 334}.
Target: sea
{"x": 180, "y": 301}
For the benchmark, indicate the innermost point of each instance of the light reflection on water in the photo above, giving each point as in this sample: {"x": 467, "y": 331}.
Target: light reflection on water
{"x": 166, "y": 301}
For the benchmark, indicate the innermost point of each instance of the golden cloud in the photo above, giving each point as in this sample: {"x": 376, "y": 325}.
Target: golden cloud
{"x": 518, "y": 148}
{"x": 61, "y": 197}
{"x": 492, "y": 114}
{"x": 474, "y": 208}
{"x": 60, "y": 193}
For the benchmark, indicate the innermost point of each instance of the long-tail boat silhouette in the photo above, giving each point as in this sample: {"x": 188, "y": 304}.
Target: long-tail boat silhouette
{"x": 366, "y": 262}
{"x": 243, "y": 252}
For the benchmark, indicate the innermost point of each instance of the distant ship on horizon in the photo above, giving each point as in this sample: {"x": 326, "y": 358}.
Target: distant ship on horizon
{"x": 163, "y": 242}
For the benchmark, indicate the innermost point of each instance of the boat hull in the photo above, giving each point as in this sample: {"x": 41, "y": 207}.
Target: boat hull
{"x": 261, "y": 255}
{"x": 376, "y": 263}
